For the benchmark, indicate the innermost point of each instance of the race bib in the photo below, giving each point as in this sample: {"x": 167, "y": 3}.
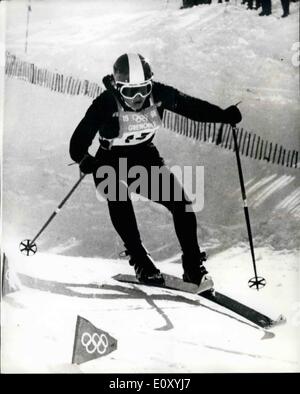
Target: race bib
{"x": 137, "y": 127}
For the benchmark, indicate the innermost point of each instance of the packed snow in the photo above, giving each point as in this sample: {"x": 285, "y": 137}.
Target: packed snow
{"x": 222, "y": 53}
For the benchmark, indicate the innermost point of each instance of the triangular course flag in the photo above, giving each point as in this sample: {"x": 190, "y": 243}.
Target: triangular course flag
{"x": 91, "y": 342}
{"x": 10, "y": 280}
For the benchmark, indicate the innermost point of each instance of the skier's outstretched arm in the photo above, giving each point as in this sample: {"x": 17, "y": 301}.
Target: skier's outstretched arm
{"x": 194, "y": 108}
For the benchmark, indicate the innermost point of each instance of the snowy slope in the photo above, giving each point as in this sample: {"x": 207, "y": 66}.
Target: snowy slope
{"x": 227, "y": 54}
{"x": 157, "y": 330}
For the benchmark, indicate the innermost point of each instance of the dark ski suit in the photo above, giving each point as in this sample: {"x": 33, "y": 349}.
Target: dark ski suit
{"x": 103, "y": 117}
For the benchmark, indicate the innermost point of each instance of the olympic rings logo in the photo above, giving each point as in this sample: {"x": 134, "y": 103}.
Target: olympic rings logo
{"x": 95, "y": 342}
{"x": 139, "y": 118}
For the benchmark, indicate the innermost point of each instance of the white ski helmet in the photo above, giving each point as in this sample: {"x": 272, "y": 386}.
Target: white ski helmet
{"x": 132, "y": 69}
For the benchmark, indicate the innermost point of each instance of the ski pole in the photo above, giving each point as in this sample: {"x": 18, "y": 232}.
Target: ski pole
{"x": 256, "y": 280}
{"x": 28, "y": 246}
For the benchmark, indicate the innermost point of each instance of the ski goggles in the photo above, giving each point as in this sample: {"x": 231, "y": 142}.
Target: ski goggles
{"x": 130, "y": 91}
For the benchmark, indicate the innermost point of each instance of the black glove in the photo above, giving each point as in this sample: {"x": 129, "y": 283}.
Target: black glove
{"x": 232, "y": 115}
{"x": 88, "y": 164}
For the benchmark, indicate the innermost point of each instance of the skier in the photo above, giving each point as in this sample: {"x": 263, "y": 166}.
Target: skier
{"x": 131, "y": 91}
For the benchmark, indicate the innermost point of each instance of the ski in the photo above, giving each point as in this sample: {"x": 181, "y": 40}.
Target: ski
{"x": 174, "y": 283}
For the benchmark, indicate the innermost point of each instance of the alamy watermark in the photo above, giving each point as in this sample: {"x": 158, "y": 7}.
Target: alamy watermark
{"x": 156, "y": 183}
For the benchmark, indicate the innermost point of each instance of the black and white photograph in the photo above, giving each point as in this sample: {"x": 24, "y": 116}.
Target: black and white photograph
{"x": 150, "y": 194}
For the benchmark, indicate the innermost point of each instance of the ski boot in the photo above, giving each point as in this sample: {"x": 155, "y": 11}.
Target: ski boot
{"x": 195, "y": 272}
{"x": 145, "y": 270}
